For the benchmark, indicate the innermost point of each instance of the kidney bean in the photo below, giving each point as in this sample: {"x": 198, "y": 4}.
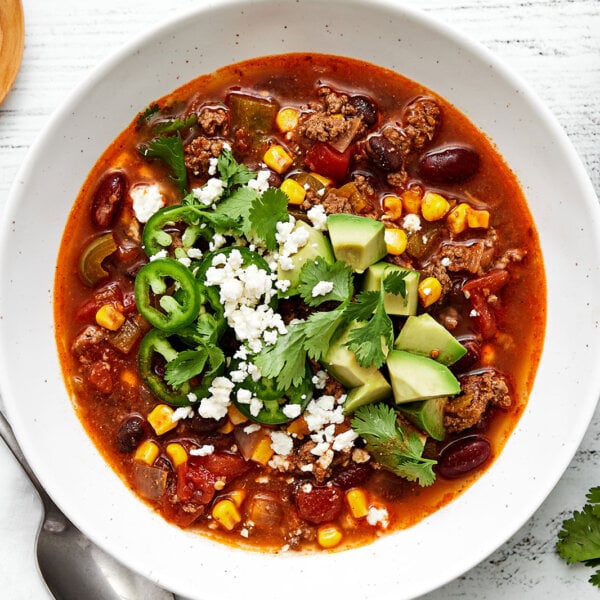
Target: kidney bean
{"x": 319, "y": 504}
{"x": 463, "y": 456}
{"x": 108, "y": 199}
{"x": 351, "y": 476}
{"x": 471, "y": 358}
{"x": 384, "y": 153}
{"x": 449, "y": 165}
{"x": 130, "y": 434}
{"x": 366, "y": 108}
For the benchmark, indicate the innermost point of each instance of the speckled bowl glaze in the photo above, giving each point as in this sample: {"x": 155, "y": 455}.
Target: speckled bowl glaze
{"x": 399, "y": 566}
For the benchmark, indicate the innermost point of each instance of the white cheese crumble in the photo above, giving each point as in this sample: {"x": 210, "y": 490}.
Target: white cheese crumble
{"x": 317, "y": 217}
{"x": 322, "y": 288}
{"x": 252, "y": 428}
{"x": 147, "y": 200}
{"x": 445, "y": 262}
{"x": 291, "y": 411}
{"x": 160, "y": 254}
{"x": 215, "y": 406}
{"x": 183, "y": 412}
{"x": 281, "y": 443}
{"x": 411, "y": 223}
{"x": 205, "y": 450}
{"x": 319, "y": 380}
{"x": 378, "y": 516}
{"x": 210, "y": 192}
{"x": 261, "y": 183}
{"x": 212, "y": 165}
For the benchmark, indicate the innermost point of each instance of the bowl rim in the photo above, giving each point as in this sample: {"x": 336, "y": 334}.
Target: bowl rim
{"x": 164, "y": 29}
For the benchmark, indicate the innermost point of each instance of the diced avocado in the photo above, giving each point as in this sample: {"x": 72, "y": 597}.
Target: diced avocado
{"x": 358, "y": 241}
{"x": 427, "y": 415}
{"x": 425, "y": 336}
{"x": 414, "y": 377}
{"x": 374, "y": 389}
{"x": 317, "y": 245}
{"x": 395, "y": 304}
{"x": 342, "y": 364}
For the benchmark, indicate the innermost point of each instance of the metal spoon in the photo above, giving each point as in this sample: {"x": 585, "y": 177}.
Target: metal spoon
{"x": 72, "y": 566}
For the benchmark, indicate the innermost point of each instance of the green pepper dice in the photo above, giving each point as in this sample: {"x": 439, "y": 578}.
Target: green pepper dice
{"x": 167, "y": 294}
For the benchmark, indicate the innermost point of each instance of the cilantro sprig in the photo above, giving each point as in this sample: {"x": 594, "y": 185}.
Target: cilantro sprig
{"x": 579, "y": 538}
{"x": 169, "y": 149}
{"x": 315, "y": 271}
{"x": 395, "y": 446}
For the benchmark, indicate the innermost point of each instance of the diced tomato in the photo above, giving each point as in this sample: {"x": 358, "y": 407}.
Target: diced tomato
{"x": 100, "y": 376}
{"x": 223, "y": 464}
{"x": 109, "y": 294}
{"x": 319, "y": 504}
{"x": 325, "y": 160}
{"x": 484, "y": 316}
{"x": 487, "y": 284}
{"x": 195, "y": 482}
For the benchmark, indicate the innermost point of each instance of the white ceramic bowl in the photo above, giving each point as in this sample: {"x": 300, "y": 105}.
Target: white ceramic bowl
{"x": 402, "y": 565}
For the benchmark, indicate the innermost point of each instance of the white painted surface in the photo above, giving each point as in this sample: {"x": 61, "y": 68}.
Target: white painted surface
{"x": 553, "y": 44}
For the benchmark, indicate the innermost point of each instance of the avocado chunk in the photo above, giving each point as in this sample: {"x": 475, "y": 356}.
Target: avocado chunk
{"x": 317, "y": 245}
{"x": 414, "y": 377}
{"x": 376, "y": 388}
{"x": 428, "y": 416}
{"x": 358, "y": 241}
{"x": 425, "y": 336}
{"x": 395, "y": 304}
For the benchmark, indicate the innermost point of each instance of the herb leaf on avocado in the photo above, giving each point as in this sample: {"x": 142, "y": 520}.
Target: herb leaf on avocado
{"x": 314, "y": 271}
{"x": 579, "y": 538}
{"x": 395, "y": 447}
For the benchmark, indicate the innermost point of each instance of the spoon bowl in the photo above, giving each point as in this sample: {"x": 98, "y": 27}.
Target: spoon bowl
{"x": 72, "y": 566}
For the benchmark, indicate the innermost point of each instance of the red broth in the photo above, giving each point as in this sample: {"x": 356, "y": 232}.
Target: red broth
{"x": 355, "y": 139}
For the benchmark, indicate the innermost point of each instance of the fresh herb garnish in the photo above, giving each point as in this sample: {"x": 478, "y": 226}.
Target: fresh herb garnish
{"x": 579, "y": 538}
{"x": 315, "y": 271}
{"x": 174, "y": 125}
{"x": 266, "y": 211}
{"x": 395, "y": 446}
{"x": 169, "y": 149}
{"x": 232, "y": 173}
{"x": 149, "y": 112}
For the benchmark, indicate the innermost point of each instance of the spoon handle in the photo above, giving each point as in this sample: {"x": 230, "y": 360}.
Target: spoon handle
{"x": 54, "y": 518}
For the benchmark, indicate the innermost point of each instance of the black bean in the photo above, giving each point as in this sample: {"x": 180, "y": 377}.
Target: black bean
{"x": 130, "y": 434}
{"x": 449, "y": 165}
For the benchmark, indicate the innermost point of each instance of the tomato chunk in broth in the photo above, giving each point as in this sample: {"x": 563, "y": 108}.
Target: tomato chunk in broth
{"x": 299, "y": 303}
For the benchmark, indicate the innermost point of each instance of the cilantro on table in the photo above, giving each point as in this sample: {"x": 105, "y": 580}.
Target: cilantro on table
{"x": 169, "y": 149}
{"x": 579, "y": 538}
{"x": 395, "y": 447}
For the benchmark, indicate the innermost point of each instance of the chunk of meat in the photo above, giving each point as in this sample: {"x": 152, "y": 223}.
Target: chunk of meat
{"x": 479, "y": 392}
{"x": 214, "y": 121}
{"x": 323, "y": 128}
{"x": 199, "y": 152}
{"x": 472, "y": 256}
{"x": 90, "y": 336}
{"x": 421, "y": 121}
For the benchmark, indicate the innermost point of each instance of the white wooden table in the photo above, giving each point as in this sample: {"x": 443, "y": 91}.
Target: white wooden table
{"x": 553, "y": 44}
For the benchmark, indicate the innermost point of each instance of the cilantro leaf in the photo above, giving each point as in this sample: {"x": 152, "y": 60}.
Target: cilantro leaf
{"x": 266, "y": 211}
{"x": 395, "y": 446}
{"x": 579, "y": 538}
{"x": 169, "y": 149}
{"x": 174, "y": 125}
{"x": 395, "y": 282}
{"x": 370, "y": 341}
{"x": 595, "y": 579}
{"x": 319, "y": 329}
{"x": 187, "y": 364}
{"x": 315, "y": 271}
{"x": 285, "y": 360}
{"x": 144, "y": 117}
{"x": 231, "y": 172}
{"x": 237, "y": 207}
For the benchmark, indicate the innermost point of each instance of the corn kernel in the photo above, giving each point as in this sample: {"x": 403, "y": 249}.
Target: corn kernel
{"x": 109, "y": 317}
{"x": 488, "y": 354}
{"x": 411, "y": 200}
{"x": 147, "y": 452}
{"x": 277, "y": 158}
{"x": 263, "y": 452}
{"x": 329, "y": 536}
{"x": 357, "y": 502}
{"x": 161, "y": 419}
{"x": 177, "y": 454}
{"x": 392, "y": 206}
{"x": 430, "y": 290}
{"x": 287, "y": 119}
{"x": 457, "y": 218}
{"x": 324, "y": 180}
{"x": 298, "y": 427}
{"x": 395, "y": 240}
{"x": 478, "y": 218}
{"x": 225, "y": 513}
{"x": 235, "y": 416}
{"x": 294, "y": 191}
{"x": 237, "y": 497}
{"x": 434, "y": 206}
{"x": 227, "y": 428}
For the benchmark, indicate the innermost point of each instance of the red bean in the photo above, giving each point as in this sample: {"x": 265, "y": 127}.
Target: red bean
{"x": 449, "y": 165}
{"x": 463, "y": 456}
{"x": 319, "y": 504}
{"x": 108, "y": 199}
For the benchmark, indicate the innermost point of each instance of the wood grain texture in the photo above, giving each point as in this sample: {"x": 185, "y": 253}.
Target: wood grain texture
{"x": 554, "y": 45}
